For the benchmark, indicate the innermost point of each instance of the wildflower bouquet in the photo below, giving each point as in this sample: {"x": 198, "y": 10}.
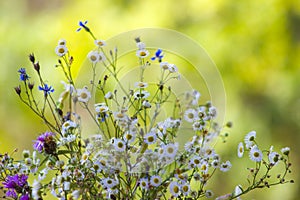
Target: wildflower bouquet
{"x": 134, "y": 151}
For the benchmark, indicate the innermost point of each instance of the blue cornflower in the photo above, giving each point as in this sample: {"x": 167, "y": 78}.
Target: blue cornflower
{"x": 23, "y": 75}
{"x": 47, "y": 89}
{"x": 158, "y": 55}
{"x": 83, "y": 25}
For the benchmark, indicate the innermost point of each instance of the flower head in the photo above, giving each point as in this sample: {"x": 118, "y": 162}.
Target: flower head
{"x": 225, "y": 166}
{"x": 41, "y": 140}
{"x": 83, "y": 95}
{"x": 100, "y": 43}
{"x": 23, "y": 74}
{"x": 249, "y": 139}
{"x": 61, "y": 50}
{"x": 240, "y": 150}
{"x": 255, "y": 154}
{"x": 142, "y": 53}
{"x": 158, "y": 55}
{"x": 83, "y": 25}
{"x": 15, "y": 184}
{"x": 47, "y": 89}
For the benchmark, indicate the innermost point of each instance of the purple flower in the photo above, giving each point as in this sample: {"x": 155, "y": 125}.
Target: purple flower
{"x": 83, "y": 25}
{"x": 158, "y": 55}
{"x": 23, "y": 75}
{"x": 40, "y": 141}
{"x": 15, "y": 184}
{"x": 24, "y": 197}
{"x": 47, "y": 89}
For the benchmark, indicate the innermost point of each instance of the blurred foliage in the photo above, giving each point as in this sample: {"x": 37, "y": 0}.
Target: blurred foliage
{"x": 255, "y": 44}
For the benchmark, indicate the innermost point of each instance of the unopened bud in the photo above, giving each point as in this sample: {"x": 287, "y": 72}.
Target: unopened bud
{"x": 30, "y": 86}
{"x": 31, "y": 58}
{"x": 18, "y": 90}
{"x": 37, "y": 67}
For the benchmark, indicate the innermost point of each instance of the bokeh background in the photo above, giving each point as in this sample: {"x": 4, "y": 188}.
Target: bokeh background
{"x": 255, "y": 45}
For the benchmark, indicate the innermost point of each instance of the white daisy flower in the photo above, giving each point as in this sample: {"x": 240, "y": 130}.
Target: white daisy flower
{"x": 204, "y": 166}
{"x": 240, "y": 149}
{"x": 224, "y": 167}
{"x": 109, "y": 182}
{"x": 93, "y": 56}
{"x": 195, "y": 161}
{"x": 164, "y": 65}
{"x": 121, "y": 116}
{"x": 61, "y": 50}
{"x": 170, "y": 150}
{"x": 190, "y": 115}
{"x": 83, "y": 95}
{"x": 273, "y": 157}
{"x": 144, "y": 183}
{"x": 198, "y": 125}
{"x": 119, "y": 145}
{"x": 100, "y": 43}
{"x": 175, "y": 189}
{"x": 285, "y": 151}
{"x": 62, "y": 42}
{"x": 141, "y": 85}
{"x": 172, "y": 68}
{"x": 129, "y": 136}
{"x": 141, "y": 94}
{"x": 255, "y": 154}
{"x": 68, "y": 125}
{"x": 249, "y": 139}
{"x": 185, "y": 188}
{"x": 142, "y": 53}
{"x": 155, "y": 180}
{"x": 101, "y": 108}
{"x": 150, "y": 138}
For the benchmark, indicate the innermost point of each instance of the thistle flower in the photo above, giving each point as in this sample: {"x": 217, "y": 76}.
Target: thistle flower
{"x": 16, "y": 184}
{"x": 39, "y": 143}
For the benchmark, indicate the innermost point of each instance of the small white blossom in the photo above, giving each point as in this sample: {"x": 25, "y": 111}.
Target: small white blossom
{"x": 175, "y": 189}
{"x": 285, "y": 151}
{"x": 141, "y": 85}
{"x": 61, "y": 50}
{"x": 240, "y": 150}
{"x": 249, "y": 139}
{"x": 155, "y": 180}
{"x": 144, "y": 183}
{"x": 142, "y": 53}
{"x": 224, "y": 167}
{"x": 83, "y": 95}
{"x": 100, "y": 43}
{"x": 255, "y": 154}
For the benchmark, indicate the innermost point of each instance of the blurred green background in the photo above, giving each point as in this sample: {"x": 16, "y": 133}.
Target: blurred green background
{"x": 255, "y": 44}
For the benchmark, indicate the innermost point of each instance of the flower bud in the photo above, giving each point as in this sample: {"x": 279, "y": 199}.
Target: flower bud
{"x": 30, "y": 86}
{"x": 31, "y": 58}
{"x": 18, "y": 90}
{"x": 37, "y": 66}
